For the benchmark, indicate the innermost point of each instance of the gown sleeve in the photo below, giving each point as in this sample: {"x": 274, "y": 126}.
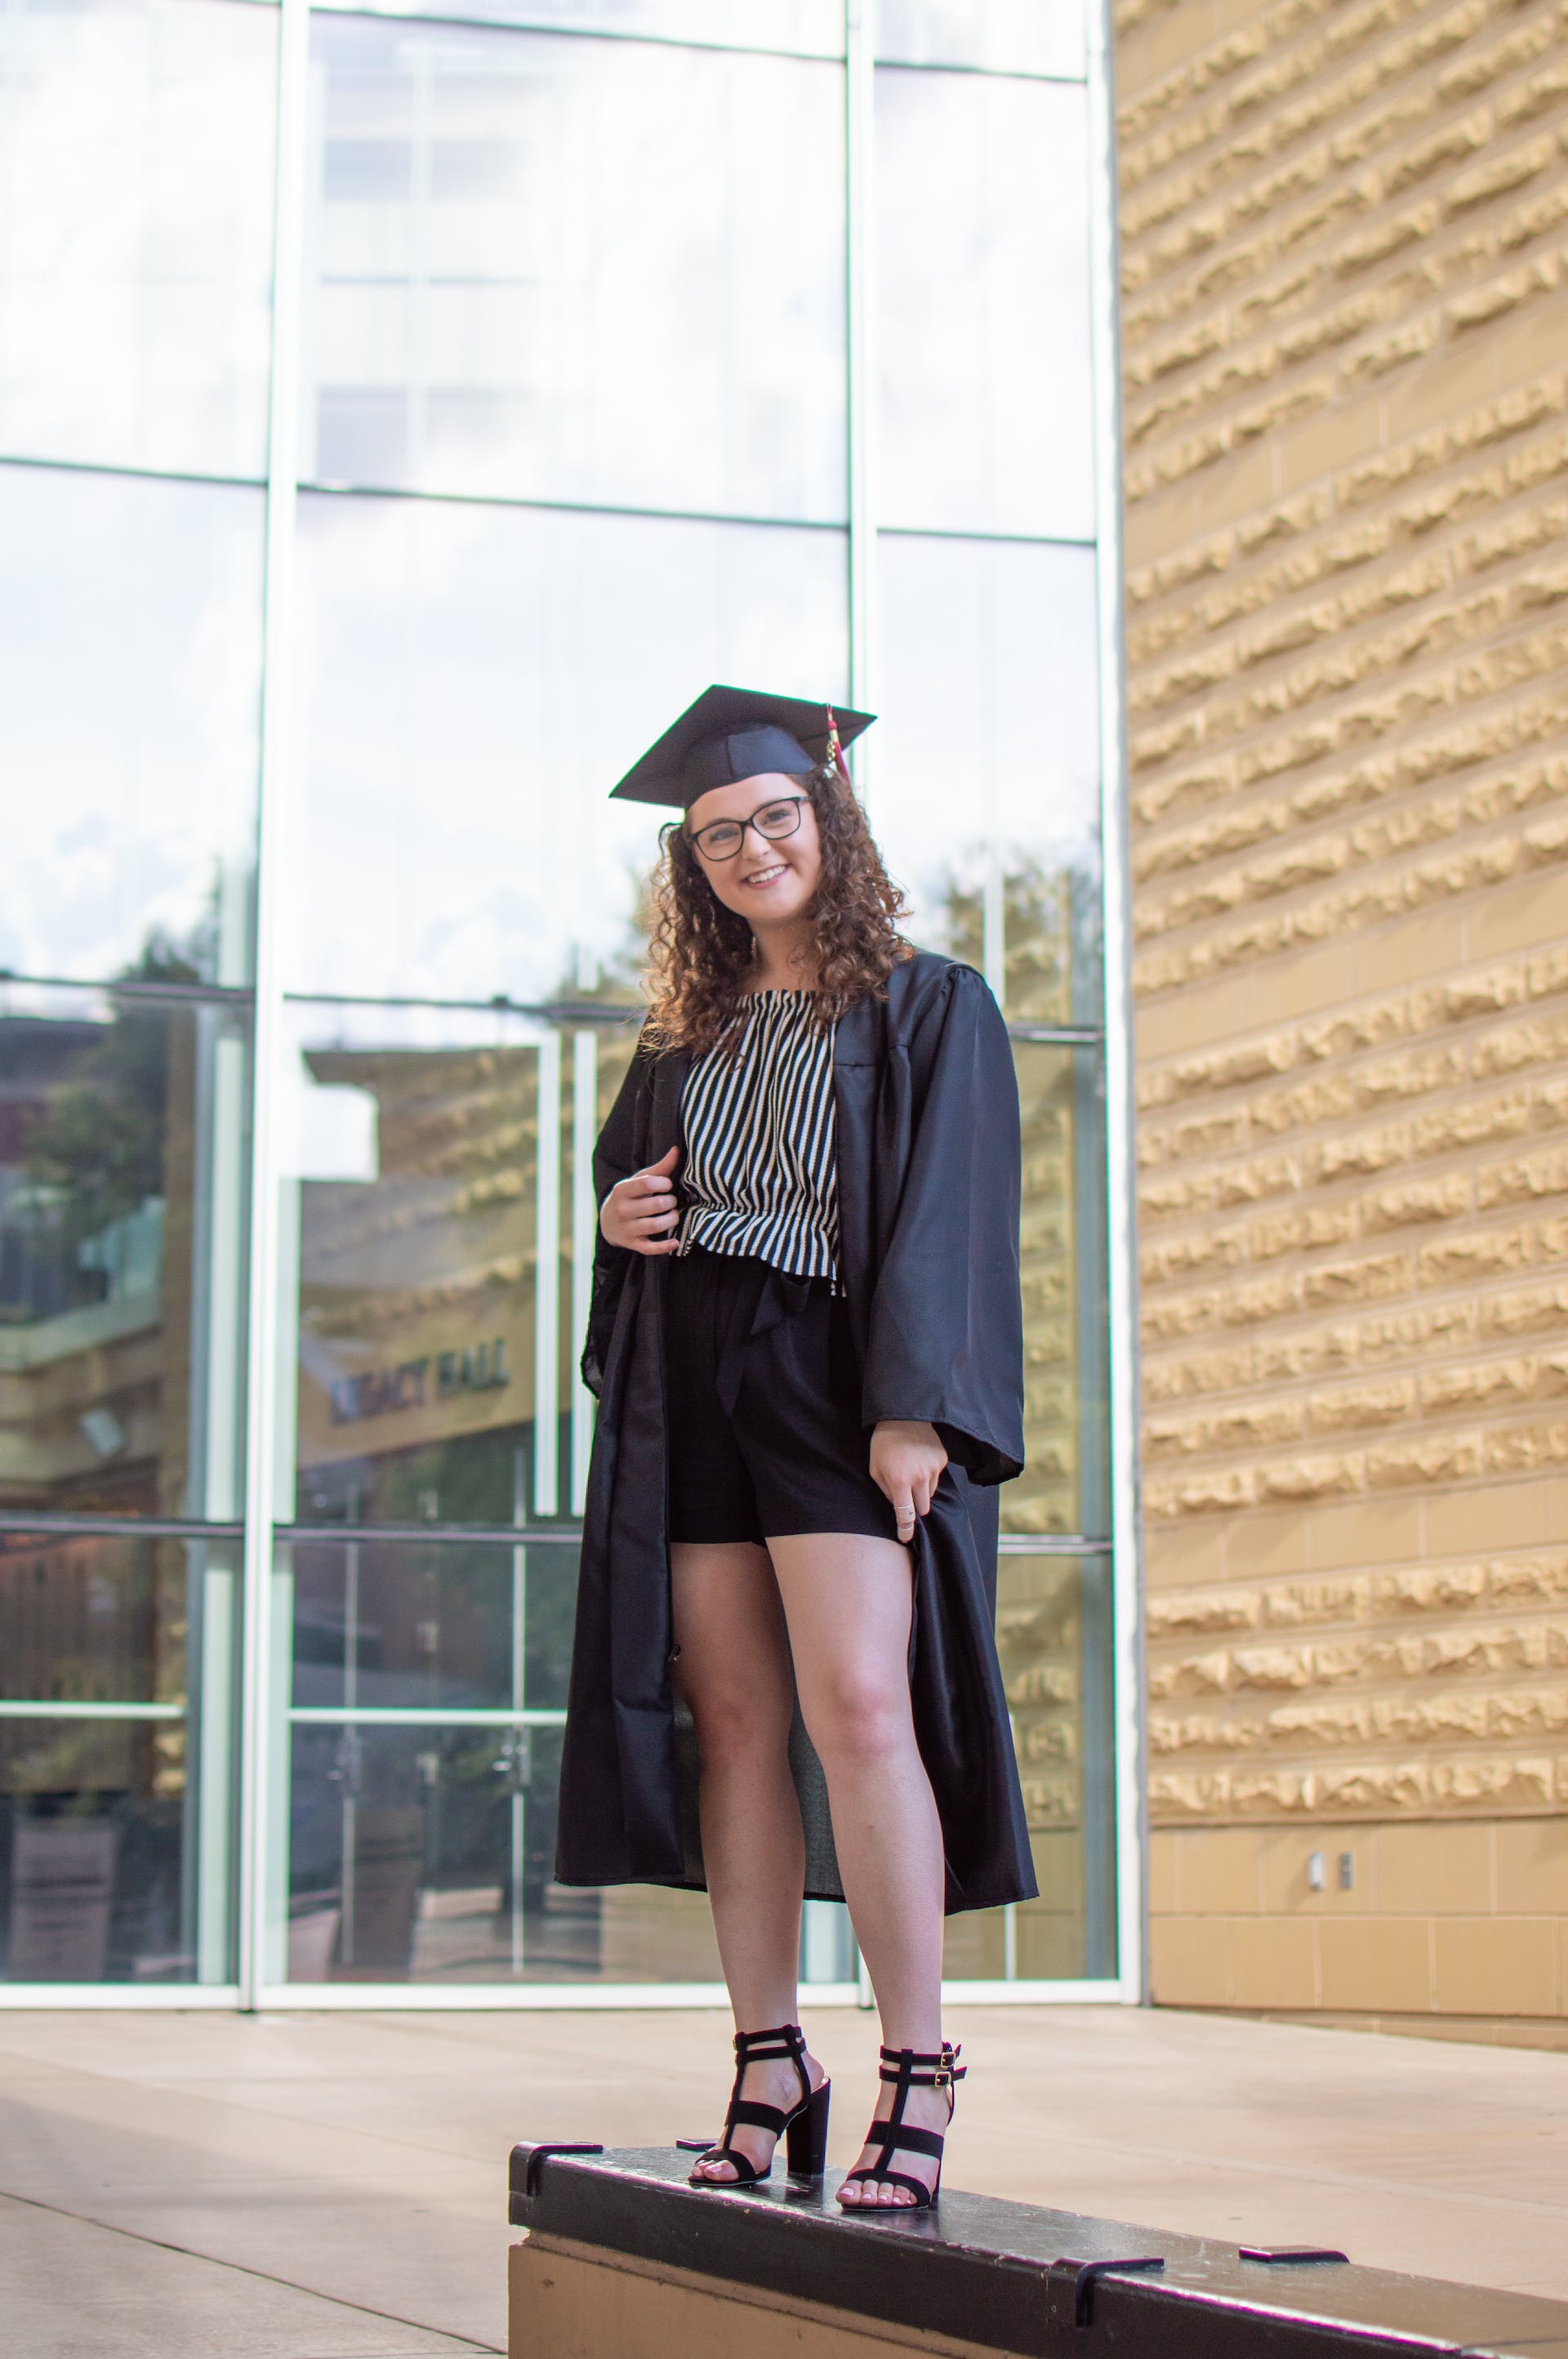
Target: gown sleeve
{"x": 618, "y": 1153}
{"x": 945, "y": 1327}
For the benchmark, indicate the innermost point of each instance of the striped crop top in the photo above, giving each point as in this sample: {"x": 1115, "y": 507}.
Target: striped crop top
{"x": 760, "y": 1172}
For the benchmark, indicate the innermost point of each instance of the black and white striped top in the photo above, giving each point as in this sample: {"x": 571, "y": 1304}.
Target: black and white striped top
{"x": 760, "y": 1172}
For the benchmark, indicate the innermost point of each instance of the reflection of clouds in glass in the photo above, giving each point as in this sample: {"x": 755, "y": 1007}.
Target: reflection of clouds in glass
{"x": 812, "y": 28}
{"x": 989, "y": 739}
{"x": 474, "y": 682}
{"x": 582, "y": 270}
{"x": 1040, "y": 37}
{"x": 130, "y": 667}
{"x": 135, "y": 232}
{"x": 984, "y": 386}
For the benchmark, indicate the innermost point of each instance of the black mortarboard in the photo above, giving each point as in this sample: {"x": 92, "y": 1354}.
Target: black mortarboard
{"x": 738, "y": 733}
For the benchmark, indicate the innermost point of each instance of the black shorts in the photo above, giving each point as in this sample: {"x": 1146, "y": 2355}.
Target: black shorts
{"x": 762, "y": 1403}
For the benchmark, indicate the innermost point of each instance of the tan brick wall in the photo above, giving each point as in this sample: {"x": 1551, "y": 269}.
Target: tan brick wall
{"x": 1345, "y": 357}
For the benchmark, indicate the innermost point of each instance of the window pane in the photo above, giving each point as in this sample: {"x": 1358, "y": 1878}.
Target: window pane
{"x": 577, "y": 270}
{"x": 985, "y": 767}
{"x": 424, "y": 1851}
{"x": 386, "y": 1625}
{"x": 121, "y": 1254}
{"x": 136, "y": 146}
{"x": 116, "y": 1849}
{"x": 812, "y": 28}
{"x": 427, "y": 1255}
{"x": 1065, "y": 1487}
{"x": 475, "y": 682}
{"x": 130, "y": 684}
{"x": 1054, "y": 1635}
{"x": 983, "y": 323}
{"x": 1034, "y": 36}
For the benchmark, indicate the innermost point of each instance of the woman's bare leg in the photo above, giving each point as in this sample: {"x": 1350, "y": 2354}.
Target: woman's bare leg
{"x": 848, "y": 1602}
{"x": 734, "y": 1671}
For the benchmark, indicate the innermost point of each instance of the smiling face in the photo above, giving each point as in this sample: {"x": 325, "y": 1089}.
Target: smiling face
{"x": 769, "y": 881}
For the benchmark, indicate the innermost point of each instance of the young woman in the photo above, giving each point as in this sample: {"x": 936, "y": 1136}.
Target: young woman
{"x": 806, "y": 1341}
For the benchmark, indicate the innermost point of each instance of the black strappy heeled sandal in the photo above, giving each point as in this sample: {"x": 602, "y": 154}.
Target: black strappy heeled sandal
{"x": 803, "y": 2128}
{"x": 911, "y": 2070}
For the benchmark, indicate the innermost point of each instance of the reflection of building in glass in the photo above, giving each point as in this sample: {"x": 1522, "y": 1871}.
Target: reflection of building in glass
{"x": 640, "y": 344}
{"x": 117, "y": 1235}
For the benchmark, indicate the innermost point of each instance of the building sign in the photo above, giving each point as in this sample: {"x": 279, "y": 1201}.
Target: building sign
{"x": 411, "y": 1384}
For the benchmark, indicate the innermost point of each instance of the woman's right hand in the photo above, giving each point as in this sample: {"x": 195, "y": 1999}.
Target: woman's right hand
{"x": 640, "y": 1213}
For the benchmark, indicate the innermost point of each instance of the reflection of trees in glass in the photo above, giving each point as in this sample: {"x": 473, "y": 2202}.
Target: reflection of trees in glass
{"x": 1046, "y": 1497}
{"x": 1038, "y": 1636}
{"x": 93, "y": 1621}
{"x": 1050, "y": 922}
{"x": 1049, "y": 915}
{"x": 87, "y": 1222}
{"x": 614, "y": 978}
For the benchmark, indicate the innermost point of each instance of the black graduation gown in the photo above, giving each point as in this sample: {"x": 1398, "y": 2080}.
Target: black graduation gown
{"x": 927, "y": 1134}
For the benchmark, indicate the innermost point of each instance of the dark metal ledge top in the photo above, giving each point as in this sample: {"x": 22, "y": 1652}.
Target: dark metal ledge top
{"x": 1016, "y": 2278}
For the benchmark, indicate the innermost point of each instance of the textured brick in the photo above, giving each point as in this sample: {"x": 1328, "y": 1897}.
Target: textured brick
{"x": 1431, "y": 1459}
{"x": 1347, "y": 530}
{"x": 1461, "y": 1255}
{"x": 1421, "y": 1588}
{"x": 1357, "y": 1281}
{"x": 1351, "y": 1408}
{"x": 1203, "y": 1610}
{"x": 1416, "y": 1201}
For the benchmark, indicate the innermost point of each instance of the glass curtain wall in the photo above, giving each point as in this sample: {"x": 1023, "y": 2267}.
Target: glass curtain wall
{"x": 136, "y": 166}
{"x": 582, "y": 355}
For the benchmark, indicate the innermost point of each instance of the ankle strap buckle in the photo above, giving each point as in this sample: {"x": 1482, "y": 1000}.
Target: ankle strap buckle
{"x": 759, "y": 2047}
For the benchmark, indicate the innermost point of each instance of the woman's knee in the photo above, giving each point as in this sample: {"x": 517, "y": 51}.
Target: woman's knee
{"x": 859, "y": 1716}
{"x": 738, "y": 1725}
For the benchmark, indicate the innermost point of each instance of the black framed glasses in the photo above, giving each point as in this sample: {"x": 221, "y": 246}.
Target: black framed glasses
{"x": 721, "y": 839}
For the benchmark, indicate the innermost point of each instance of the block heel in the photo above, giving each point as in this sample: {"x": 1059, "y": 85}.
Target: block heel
{"x": 806, "y": 2136}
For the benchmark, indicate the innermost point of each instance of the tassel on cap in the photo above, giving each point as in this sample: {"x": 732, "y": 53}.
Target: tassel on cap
{"x": 836, "y": 751}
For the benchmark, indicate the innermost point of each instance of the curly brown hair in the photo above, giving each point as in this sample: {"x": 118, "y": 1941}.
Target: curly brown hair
{"x": 702, "y": 953}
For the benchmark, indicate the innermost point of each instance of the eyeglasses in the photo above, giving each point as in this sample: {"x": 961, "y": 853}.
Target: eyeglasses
{"x": 721, "y": 839}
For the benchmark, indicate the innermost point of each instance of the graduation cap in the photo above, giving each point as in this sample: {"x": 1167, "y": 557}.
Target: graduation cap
{"x": 738, "y": 732}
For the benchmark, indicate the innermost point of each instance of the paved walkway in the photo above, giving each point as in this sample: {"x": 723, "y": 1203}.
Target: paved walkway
{"x": 333, "y": 2187}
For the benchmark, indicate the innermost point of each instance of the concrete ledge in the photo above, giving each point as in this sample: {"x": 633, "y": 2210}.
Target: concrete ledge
{"x": 567, "y": 2300}
{"x": 624, "y": 2260}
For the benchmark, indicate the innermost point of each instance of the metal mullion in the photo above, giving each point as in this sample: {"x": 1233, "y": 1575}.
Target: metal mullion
{"x": 521, "y": 1755}
{"x": 16, "y": 1708}
{"x": 639, "y": 38}
{"x": 47, "y": 1526}
{"x": 434, "y": 1715}
{"x": 989, "y": 73}
{"x": 347, "y": 490}
{"x": 977, "y": 532}
{"x": 546, "y": 1011}
{"x": 256, "y": 1639}
{"x": 584, "y": 1230}
{"x": 210, "y": 994}
{"x": 447, "y": 1535}
{"x": 548, "y": 1277}
{"x": 859, "y": 165}
{"x": 141, "y": 474}
{"x": 1127, "y": 1705}
{"x": 860, "y": 361}
{"x": 1050, "y": 1544}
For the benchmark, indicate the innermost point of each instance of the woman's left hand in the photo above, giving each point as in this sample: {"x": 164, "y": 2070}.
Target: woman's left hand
{"x": 907, "y": 1460}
